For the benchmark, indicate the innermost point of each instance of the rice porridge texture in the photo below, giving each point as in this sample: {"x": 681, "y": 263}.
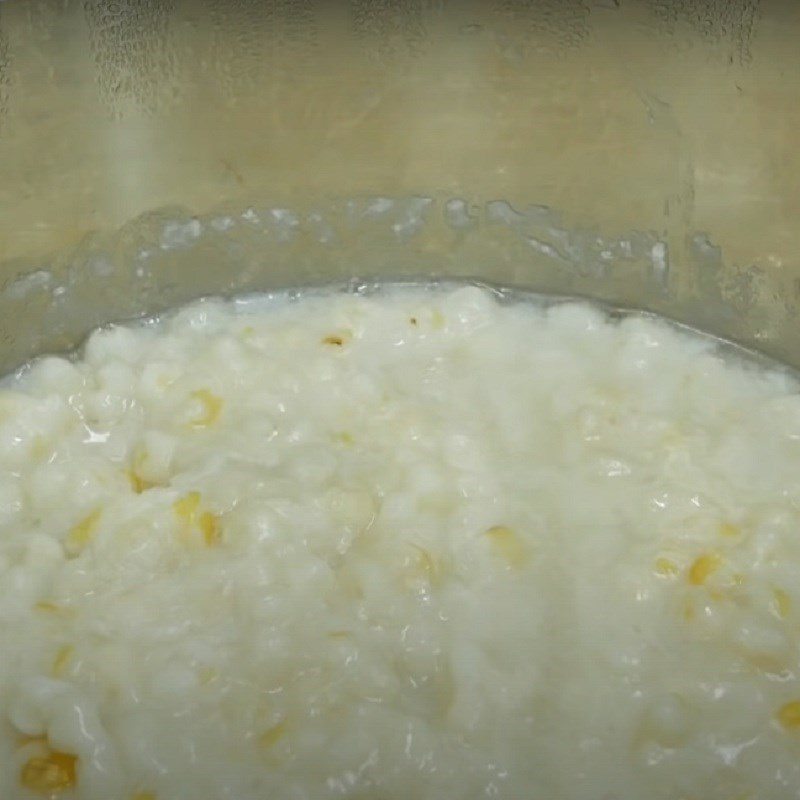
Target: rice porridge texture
{"x": 418, "y": 545}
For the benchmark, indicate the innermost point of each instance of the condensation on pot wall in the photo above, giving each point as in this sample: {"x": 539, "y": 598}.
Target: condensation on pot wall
{"x": 604, "y": 109}
{"x": 167, "y": 257}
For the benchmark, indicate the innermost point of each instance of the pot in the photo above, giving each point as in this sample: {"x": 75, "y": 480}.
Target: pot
{"x": 640, "y": 153}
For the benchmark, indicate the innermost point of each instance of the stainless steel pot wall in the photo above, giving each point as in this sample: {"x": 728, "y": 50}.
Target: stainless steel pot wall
{"x": 645, "y": 152}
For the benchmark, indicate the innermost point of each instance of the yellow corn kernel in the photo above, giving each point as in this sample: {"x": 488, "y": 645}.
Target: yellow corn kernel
{"x": 782, "y": 603}
{"x": 137, "y": 462}
{"x": 48, "y": 607}
{"x": 703, "y": 567}
{"x": 138, "y": 484}
{"x": 61, "y": 660}
{"x": 507, "y": 545}
{"x": 789, "y": 715}
{"x": 211, "y": 529}
{"x": 39, "y": 448}
{"x": 271, "y": 736}
{"x": 344, "y": 437}
{"x": 428, "y": 564}
{"x": 186, "y": 508}
{"x": 212, "y": 408}
{"x": 764, "y": 662}
{"x": 24, "y": 741}
{"x": 49, "y": 774}
{"x": 666, "y": 567}
{"x": 82, "y": 533}
{"x": 729, "y": 529}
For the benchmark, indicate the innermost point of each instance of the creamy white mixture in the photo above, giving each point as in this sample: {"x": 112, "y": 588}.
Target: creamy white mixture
{"x": 414, "y": 546}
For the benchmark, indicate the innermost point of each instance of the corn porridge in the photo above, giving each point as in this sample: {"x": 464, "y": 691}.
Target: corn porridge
{"x": 421, "y": 544}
